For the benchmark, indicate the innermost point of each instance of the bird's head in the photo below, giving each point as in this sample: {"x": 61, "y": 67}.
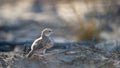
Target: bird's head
{"x": 47, "y": 31}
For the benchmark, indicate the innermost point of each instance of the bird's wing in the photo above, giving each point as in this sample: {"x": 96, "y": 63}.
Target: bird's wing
{"x": 36, "y": 44}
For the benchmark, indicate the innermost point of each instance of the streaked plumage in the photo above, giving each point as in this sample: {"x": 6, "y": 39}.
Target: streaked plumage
{"x": 42, "y": 43}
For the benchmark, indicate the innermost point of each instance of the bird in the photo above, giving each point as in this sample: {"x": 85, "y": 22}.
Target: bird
{"x": 42, "y": 43}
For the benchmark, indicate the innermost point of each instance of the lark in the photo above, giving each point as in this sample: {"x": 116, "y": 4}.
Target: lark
{"x": 42, "y": 43}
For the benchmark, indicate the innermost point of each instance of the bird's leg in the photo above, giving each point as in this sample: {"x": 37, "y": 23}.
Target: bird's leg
{"x": 44, "y": 51}
{"x": 43, "y": 54}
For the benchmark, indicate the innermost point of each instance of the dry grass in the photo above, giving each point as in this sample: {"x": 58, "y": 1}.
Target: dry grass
{"x": 88, "y": 31}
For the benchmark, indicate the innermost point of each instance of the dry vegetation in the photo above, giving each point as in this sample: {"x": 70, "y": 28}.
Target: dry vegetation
{"x": 88, "y": 31}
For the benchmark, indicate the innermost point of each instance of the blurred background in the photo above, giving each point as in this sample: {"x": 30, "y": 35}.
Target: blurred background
{"x": 21, "y": 22}
{"x": 71, "y": 20}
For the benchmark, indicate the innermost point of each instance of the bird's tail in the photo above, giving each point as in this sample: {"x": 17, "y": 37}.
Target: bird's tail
{"x": 30, "y": 54}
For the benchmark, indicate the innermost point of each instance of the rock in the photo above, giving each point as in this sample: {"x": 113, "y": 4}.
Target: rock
{"x": 108, "y": 45}
{"x": 78, "y": 56}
